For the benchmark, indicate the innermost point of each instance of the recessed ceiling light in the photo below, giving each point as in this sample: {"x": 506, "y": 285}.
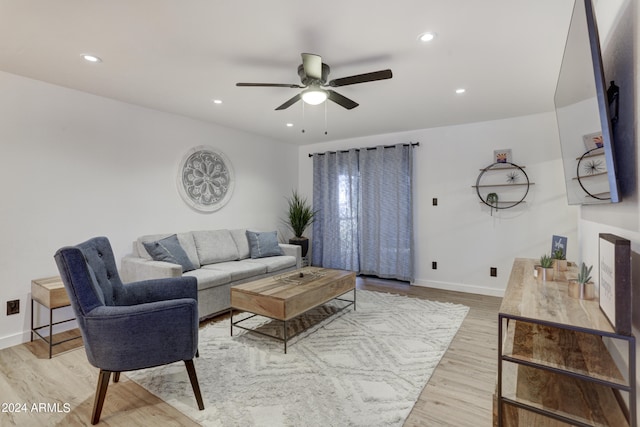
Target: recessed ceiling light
{"x": 427, "y": 37}
{"x": 217, "y": 101}
{"x": 461, "y": 90}
{"x": 91, "y": 58}
{"x": 289, "y": 125}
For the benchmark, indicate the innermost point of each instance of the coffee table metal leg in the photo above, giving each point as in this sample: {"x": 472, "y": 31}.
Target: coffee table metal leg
{"x": 285, "y": 336}
{"x": 231, "y": 320}
{"x": 354, "y": 299}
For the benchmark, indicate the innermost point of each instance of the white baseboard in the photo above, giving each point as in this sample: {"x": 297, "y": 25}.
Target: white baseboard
{"x": 16, "y": 339}
{"x": 459, "y": 287}
{"x": 25, "y": 336}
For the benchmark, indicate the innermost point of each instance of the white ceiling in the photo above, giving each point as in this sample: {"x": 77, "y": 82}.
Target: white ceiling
{"x": 176, "y": 56}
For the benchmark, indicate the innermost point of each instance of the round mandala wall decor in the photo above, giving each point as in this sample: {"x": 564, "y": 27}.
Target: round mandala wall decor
{"x": 205, "y": 179}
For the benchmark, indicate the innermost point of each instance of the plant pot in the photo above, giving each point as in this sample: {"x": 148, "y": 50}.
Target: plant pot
{"x": 303, "y": 242}
{"x": 545, "y": 274}
{"x": 586, "y": 291}
{"x": 560, "y": 264}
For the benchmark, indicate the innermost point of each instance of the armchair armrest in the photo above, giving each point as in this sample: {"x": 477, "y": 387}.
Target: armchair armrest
{"x": 125, "y": 338}
{"x": 293, "y": 250}
{"x": 134, "y": 269}
{"x": 160, "y": 290}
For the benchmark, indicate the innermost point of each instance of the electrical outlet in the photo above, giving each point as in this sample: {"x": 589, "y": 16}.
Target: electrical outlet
{"x": 13, "y": 307}
{"x": 494, "y": 272}
{"x": 434, "y": 265}
{"x": 434, "y": 201}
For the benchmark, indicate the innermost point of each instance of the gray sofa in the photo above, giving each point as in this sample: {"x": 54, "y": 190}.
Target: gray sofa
{"x": 220, "y": 258}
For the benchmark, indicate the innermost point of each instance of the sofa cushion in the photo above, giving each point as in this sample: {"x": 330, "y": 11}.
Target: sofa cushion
{"x": 276, "y": 263}
{"x": 185, "y": 239}
{"x": 169, "y": 250}
{"x": 239, "y": 269}
{"x": 263, "y": 244}
{"x": 209, "y": 278}
{"x": 242, "y": 243}
{"x": 215, "y": 246}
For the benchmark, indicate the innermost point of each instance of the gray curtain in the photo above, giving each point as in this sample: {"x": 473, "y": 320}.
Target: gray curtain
{"x": 364, "y": 219}
{"x": 335, "y": 198}
{"x": 386, "y": 215}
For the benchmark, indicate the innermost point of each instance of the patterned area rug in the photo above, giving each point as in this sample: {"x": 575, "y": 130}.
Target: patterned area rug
{"x": 357, "y": 368}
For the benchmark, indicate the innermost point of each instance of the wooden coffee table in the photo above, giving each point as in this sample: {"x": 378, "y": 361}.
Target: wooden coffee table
{"x": 289, "y": 295}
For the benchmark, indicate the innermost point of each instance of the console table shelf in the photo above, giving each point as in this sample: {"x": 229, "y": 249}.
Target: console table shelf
{"x": 553, "y": 366}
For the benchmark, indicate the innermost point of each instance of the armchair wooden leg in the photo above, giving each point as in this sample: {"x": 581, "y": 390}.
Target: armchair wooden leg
{"x": 191, "y": 369}
{"x": 101, "y": 392}
{"x": 116, "y": 377}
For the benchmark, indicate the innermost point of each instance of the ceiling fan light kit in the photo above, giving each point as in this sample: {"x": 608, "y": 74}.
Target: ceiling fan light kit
{"x": 313, "y": 76}
{"x": 314, "y": 96}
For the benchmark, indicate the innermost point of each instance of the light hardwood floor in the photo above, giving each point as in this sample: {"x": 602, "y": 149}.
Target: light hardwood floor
{"x": 458, "y": 394}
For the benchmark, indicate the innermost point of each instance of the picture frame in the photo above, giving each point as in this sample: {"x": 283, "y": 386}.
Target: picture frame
{"x": 614, "y": 261}
{"x": 559, "y": 242}
{"x": 593, "y": 141}
{"x": 502, "y": 156}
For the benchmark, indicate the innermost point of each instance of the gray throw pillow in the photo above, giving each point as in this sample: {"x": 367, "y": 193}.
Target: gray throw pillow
{"x": 169, "y": 250}
{"x": 263, "y": 244}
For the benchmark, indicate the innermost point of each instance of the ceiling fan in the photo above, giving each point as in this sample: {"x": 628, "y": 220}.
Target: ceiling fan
{"x": 313, "y": 75}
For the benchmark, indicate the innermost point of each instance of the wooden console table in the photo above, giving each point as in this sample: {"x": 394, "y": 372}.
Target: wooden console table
{"x": 552, "y": 361}
{"x": 50, "y": 293}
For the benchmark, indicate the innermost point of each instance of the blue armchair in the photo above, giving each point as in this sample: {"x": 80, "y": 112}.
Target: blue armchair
{"x": 128, "y": 327}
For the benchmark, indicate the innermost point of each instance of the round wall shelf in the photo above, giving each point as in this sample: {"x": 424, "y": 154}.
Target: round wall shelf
{"x": 593, "y": 173}
{"x": 489, "y": 184}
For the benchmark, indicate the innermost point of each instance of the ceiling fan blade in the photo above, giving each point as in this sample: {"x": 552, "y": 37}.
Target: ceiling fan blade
{"x": 342, "y": 100}
{"x": 361, "y": 78}
{"x": 290, "y": 102}
{"x": 312, "y": 65}
{"x": 293, "y": 86}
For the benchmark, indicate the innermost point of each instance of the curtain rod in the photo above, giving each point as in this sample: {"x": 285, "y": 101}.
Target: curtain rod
{"x": 412, "y": 144}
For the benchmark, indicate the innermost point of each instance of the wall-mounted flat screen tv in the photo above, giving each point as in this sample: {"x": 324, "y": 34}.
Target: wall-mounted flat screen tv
{"x": 582, "y": 112}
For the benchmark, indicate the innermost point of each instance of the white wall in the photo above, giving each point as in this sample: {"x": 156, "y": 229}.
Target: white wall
{"x": 74, "y": 166}
{"x": 460, "y": 233}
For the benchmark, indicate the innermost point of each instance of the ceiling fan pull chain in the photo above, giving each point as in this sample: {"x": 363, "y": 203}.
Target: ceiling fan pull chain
{"x": 303, "y": 117}
{"x": 325, "y": 118}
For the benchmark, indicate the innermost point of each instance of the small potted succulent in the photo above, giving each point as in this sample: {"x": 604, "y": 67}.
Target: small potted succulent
{"x": 560, "y": 260}
{"x": 583, "y": 287}
{"x": 545, "y": 270}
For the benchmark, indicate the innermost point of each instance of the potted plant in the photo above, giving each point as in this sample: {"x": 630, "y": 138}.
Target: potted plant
{"x": 492, "y": 200}
{"x": 545, "y": 271}
{"x": 582, "y": 287}
{"x": 299, "y": 217}
{"x": 560, "y": 259}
